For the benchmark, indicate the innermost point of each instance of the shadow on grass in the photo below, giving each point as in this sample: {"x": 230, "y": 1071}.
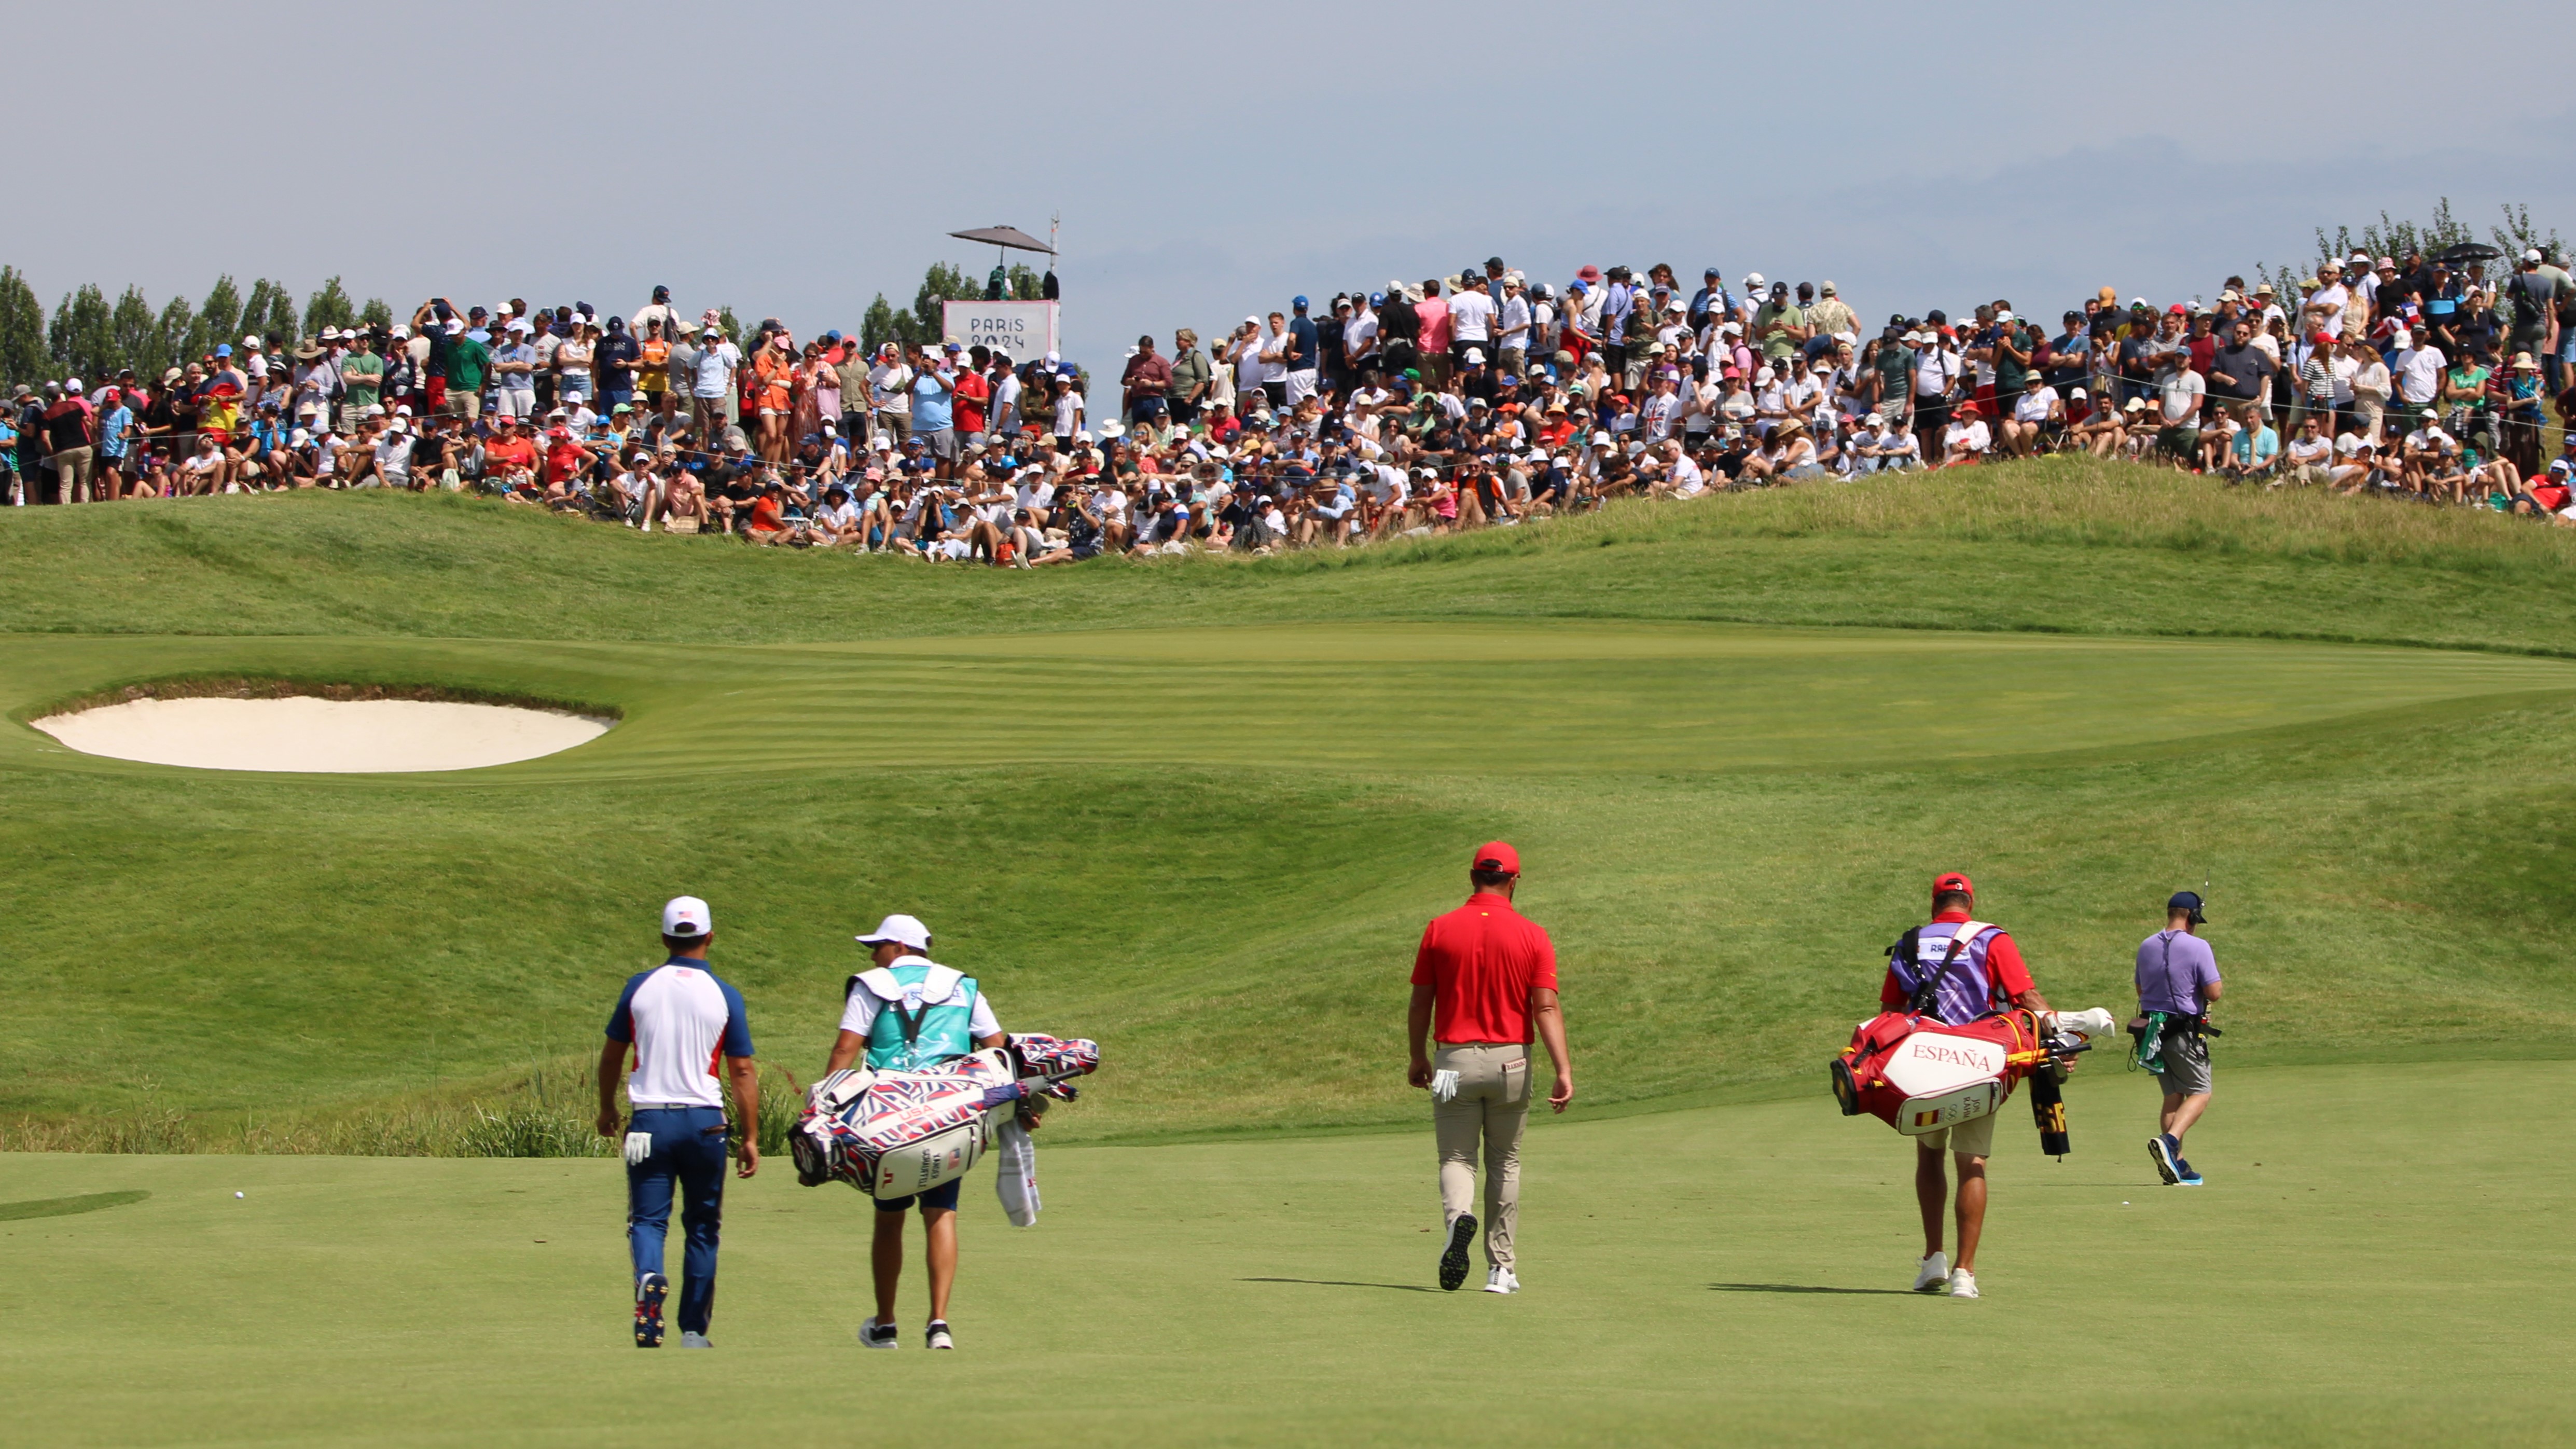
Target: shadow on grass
{"x": 1805, "y": 1288}
{"x": 63, "y": 1207}
{"x": 1335, "y": 1283}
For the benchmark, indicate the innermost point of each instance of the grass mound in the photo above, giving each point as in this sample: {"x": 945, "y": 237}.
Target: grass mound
{"x": 1200, "y": 809}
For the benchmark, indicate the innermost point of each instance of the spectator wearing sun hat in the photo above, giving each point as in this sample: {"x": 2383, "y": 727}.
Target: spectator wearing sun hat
{"x": 1484, "y": 984}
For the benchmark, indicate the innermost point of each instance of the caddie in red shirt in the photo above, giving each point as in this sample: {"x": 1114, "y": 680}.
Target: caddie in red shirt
{"x": 1965, "y": 969}
{"x": 1483, "y": 977}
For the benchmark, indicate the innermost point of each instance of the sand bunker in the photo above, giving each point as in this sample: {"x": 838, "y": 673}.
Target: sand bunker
{"x": 333, "y": 736}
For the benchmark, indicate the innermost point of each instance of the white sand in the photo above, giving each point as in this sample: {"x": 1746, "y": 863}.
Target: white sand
{"x": 320, "y": 735}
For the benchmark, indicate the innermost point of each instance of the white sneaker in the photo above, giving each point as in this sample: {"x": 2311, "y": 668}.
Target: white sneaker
{"x": 1500, "y": 1280}
{"x": 1963, "y": 1284}
{"x": 694, "y": 1340}
{"x": 873, "y": 1334}
{"x": 1932, "y": 1273}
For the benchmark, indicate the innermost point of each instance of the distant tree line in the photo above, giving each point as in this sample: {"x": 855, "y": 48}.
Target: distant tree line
{"x": 88, "y": 337}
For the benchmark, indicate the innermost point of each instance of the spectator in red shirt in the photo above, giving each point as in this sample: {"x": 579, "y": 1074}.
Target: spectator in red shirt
{"x": 1959, "y": 970}
{"x": 1484, "y": 975}
{"x": 1147, "y": 378}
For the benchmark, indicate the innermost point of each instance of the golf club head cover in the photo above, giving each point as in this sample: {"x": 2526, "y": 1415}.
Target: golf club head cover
{"x": 2096, "y": 1022}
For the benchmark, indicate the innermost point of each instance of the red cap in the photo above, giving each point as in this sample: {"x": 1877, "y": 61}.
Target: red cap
{"x": 1942, "y": 885}
{"x": 1495, "y": 855}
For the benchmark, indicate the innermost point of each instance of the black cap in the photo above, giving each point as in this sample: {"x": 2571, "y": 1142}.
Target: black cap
{"x": 2187, "y": 901}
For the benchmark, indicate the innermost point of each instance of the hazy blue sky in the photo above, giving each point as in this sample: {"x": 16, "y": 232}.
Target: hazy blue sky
{"x": 1210, "y": 161}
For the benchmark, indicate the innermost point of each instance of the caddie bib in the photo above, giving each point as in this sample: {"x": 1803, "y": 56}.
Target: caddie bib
{"x": 924, "y": 1015}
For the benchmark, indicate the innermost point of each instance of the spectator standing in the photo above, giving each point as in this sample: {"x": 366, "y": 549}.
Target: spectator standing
{"x": 711, "y": 392}
{"x": 1301, "y": 357}
{"x": 890, "y": 392}
{"x": 1191, "y": 377}
{"x": 1146, "y": 382}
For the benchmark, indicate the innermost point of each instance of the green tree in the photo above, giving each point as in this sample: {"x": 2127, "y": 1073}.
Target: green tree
{"x": 328, "y": 307}
{"x": 176, "y": 338}
{"x": 731, "y": 325}
{"x": 881, "y": 324}
{"x": 22, "y": 330}
{"x": 1026, "y": 284}
{"x": 137, "y": 332}
{"x": 82, "y": 337}
{"x": 2518, "y": 235}
{"x": 270, "y": 312}
{"x": 219, "y": 318}
{"x": 376, "y": 313}
{"x": 945, "y": 282}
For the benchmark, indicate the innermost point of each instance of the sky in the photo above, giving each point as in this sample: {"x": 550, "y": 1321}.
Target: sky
{"x": 795, "y": 159}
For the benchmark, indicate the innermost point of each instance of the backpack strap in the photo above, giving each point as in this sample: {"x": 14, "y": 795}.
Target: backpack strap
{"x": 1927, "y": 991}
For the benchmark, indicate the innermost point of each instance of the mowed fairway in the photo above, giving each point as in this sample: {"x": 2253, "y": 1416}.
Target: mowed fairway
{"x": 1212, "y": 848}
{"x": 2393, "y": 1271}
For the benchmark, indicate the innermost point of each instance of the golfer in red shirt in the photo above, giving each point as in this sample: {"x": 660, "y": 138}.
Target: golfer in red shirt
{"x": 1483, "y": 975}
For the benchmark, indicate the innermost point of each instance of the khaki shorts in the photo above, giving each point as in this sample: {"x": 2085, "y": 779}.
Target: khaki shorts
{"x": 1975, "y": 1137}
{"x": 2186, "y": 1065}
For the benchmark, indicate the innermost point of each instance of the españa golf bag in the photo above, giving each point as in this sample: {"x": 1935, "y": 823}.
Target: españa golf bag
{"x": 894, "y": 1134}
{"x": 1920, "y": 1074}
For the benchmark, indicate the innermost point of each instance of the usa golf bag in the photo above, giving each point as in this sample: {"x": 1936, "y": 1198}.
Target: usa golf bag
{"x": 1920, "y": 1074}
{"x": 894, "y": 1134}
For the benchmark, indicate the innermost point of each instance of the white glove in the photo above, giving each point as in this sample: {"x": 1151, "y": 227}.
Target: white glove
{"x": 639, "y": 1145}
{"x": 1444, "y": 1086}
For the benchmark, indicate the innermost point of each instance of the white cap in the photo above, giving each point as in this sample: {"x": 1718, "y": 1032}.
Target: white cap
{"x": 686, "y": 916}
{"x": 1754, "y": 280}
{"x": 901, "y": 930}
{"x": 2531, "y": 255}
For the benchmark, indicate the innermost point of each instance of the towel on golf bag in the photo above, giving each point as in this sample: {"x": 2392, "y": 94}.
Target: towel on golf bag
{"x": 895, "y": 1134}
{"x": 1015, "y": 1172}
{"x": 1920, "y": 1074}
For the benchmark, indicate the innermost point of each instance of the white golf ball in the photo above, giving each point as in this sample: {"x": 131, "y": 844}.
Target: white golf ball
{"x": 236, "y": 1194}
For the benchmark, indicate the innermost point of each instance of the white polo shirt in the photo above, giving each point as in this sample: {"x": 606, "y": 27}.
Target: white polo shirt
{"x": 683, "y": 1019}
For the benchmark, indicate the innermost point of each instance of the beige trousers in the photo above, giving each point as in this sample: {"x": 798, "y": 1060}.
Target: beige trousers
{"x": 1492, "y": 1105}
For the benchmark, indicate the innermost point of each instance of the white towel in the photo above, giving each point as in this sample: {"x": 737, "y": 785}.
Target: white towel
{"x": 1015, "y": 1173}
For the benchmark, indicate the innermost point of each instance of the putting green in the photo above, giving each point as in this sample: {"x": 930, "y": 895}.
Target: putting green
{"x": 2378, "y": 1260}
{"x": 1366, "y": 697}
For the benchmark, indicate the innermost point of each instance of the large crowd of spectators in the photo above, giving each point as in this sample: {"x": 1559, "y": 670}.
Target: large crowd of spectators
{"x": 1470, "y": 400}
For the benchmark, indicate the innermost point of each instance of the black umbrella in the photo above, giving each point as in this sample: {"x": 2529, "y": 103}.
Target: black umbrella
{"x": 1011, "y": 236}
{"x": 2467, "y": 252}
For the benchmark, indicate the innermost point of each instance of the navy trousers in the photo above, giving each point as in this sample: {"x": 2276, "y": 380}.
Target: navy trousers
{"x": 688, "y": 1158}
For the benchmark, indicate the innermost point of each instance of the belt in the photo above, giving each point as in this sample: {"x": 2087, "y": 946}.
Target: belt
{"x": 1481, "y": 1044}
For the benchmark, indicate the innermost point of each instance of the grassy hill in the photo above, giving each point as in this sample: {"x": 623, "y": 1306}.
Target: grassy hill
{"x": 1199, "y": 810}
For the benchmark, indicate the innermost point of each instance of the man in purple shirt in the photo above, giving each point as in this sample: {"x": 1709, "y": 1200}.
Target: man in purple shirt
{"x": 2178, "y": 977}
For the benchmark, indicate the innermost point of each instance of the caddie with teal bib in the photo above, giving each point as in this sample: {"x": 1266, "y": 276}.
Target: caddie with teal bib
{"x": 924, "y": 1013}
{"x": 906, "y": 1013}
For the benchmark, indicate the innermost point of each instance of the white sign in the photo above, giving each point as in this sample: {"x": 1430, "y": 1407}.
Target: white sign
{"x": 1025, "y": 330}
